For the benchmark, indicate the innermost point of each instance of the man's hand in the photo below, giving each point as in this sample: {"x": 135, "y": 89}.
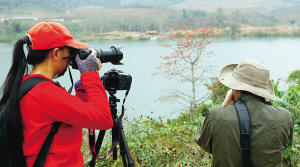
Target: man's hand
{"x": 229, "y": 99}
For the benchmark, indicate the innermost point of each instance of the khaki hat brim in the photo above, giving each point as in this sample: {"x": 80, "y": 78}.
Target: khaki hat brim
{"x": 226, "y": 78}
{"x": 77, "y": 45}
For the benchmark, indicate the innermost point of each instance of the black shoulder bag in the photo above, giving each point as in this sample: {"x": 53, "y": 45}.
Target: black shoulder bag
{"x": 245, "y": 131}
{"x": 24, "y": 87}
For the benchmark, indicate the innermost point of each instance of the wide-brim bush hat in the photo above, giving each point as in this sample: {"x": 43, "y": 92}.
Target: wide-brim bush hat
{"x": 48, "y": 35}
{"x": 249, "y": 75}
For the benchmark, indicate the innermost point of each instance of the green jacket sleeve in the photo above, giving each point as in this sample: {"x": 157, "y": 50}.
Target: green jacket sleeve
{"x": 204, "y": 136}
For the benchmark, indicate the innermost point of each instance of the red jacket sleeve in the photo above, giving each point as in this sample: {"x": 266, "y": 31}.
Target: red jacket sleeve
{"x": 63, "y": 107}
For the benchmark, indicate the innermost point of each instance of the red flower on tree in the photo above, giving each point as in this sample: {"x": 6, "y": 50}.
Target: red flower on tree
{"x": 188, "y": 54}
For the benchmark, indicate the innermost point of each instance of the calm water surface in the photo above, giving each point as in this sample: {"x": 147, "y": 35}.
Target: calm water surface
{"x": 280, "y": 55}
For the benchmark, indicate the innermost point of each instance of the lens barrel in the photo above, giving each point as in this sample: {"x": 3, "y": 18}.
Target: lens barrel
{"x": 113, "y": 55}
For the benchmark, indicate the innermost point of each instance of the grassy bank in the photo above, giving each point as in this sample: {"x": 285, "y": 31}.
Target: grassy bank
{"x": 154, "y": 143}
{"x": 260, "y": 34}
{"x": 12, "y": 37}
{"x": 133, "y": 36}
{"x": 171, "y": 142}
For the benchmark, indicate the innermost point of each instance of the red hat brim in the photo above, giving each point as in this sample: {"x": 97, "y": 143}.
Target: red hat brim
{"x": 77, "y": 45}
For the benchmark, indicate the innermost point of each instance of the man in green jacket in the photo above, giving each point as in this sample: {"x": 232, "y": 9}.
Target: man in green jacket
{"x": 271, "y": 127}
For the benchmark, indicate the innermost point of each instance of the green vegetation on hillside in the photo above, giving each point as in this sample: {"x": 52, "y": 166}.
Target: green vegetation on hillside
{"x": 152, "y": 3}
{"x": 201, "y": 4}
{"x": 288, "y": 15}
{"x": 89, "y": 23}
{"x": 28, "y": 7}
{"x": 69, "y": 4}
{"x": 171, "y": 143}
{"x": 13, "y": 6}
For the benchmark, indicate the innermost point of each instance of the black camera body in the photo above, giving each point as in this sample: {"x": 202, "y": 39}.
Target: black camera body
{"x": 116, "y": 80}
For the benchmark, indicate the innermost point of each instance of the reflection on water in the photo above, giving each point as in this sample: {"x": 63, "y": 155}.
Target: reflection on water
{"x": 280, "y": 55}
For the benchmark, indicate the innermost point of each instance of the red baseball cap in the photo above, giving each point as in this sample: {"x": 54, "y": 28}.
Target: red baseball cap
{"x": 48, "y": 35}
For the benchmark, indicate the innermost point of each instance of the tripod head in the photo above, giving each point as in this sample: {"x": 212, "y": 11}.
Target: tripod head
{"x": 113, "y": 103}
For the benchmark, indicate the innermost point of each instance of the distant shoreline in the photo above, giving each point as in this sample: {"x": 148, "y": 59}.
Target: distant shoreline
{"x": 244, "y": 31}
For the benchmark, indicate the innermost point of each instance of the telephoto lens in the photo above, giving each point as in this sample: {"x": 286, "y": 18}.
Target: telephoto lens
{"x": 112, "y": 55}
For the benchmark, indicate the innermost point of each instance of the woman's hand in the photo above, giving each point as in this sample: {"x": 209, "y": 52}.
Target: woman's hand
{"x": 91, "y": 63}
{"x": 94, "y": 53}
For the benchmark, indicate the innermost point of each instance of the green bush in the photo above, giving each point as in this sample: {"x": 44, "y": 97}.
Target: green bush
{"x": 179, "y": 34}
{"x": 281, "y": 34}
{"x": 290, "y": 100}
{"x": 294, "y": 34}
{"x": 128, "y": 38}
{"x": 225, "y": 33}
{"x": 152, "y": 143}
{"x": 82, "y": 40}
{"x": 218, "y": 91}
{"x": 144, "y": 38}
{"x": 259, "y": 34}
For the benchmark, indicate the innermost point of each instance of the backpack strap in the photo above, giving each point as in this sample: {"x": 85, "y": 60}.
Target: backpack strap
{"x": 41, "y": 158}
{"x": 26, "y": 86}
{"x": 245, "y": 131}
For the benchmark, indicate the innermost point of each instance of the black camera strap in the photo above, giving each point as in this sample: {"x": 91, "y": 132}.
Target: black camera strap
{"x": 245, "y": 131}
{"x": 95, "y": 147}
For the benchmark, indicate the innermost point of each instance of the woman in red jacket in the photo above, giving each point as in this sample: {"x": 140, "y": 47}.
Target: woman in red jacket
{"x": 46, "y": 103}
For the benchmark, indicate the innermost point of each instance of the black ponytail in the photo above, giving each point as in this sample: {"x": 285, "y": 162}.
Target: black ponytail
{"x": 10, "y": 99}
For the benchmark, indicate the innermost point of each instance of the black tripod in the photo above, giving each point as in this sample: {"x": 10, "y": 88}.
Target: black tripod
{"x": 117, "y": 135}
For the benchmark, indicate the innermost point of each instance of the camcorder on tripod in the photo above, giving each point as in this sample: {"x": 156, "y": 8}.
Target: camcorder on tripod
{"x": 113, "y": 80}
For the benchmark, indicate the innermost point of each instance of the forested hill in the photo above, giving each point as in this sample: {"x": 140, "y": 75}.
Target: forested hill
{"x": 59, "y": 5}
{"x": 114, "y": 3}
{"x": 204, "y": 4}
{"x": 154, "y": 3}
{"x": 28, "y": 6}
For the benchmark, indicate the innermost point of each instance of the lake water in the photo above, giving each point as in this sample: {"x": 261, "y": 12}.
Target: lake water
{"x": 280, "y": 55}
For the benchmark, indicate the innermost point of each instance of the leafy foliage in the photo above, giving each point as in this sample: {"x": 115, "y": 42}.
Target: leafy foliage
{"x": 290, "y": 100}
{"x": 16, "y": 25}
{"x": 154, "y": 143}
{"x": 218, "y": 91}
{"x": 294, "y": 77}
{"x": 220, "y": 14}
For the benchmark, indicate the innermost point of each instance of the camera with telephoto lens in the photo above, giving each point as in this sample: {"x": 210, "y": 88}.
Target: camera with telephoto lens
{"x": 113, "y": 55}
{"x": 116, "y": 80}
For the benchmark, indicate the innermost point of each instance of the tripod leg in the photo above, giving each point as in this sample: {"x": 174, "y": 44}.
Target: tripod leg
{"x": 124, "y": 149}
{"x": 115, "y": 153}
{"x": 122, "y": 152}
